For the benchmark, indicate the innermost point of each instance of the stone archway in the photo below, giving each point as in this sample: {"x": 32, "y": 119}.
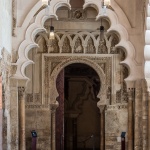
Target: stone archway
{"x": 27, "y": 43}
{"x": 54, "y": 65}
{"x": 77, "y": 85}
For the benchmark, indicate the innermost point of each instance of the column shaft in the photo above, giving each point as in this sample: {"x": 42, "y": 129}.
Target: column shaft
{"x": 53, "y": 143}
{"x": 138, "y": 117}
{"x": 53, "y": 107}
{"x": 130, "y": 119}
{"x": 21, "y": 101}
{"x": 102, "y": 127}
{"x": 145, "y": 121}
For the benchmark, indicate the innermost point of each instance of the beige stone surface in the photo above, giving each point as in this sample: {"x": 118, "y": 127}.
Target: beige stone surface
{"x": 21, "y": 21}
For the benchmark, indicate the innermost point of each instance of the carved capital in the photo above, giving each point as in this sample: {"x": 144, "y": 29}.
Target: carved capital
{"x": 21, "y": 91}
{"x": 54, "y": 106}
{"x": 130, "y": 93}
{"x": 102, "y": 108}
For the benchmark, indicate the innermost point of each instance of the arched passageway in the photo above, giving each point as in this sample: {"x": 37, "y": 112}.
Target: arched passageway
{"x": 78, "y": 117}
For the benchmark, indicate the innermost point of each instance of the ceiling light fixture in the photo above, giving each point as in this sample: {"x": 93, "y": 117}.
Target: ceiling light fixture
{"x": 46, "y": 2}
{"x": 106, "y": 4}
{"x": 51, "y": 33}
{"x": 102, "y": 30}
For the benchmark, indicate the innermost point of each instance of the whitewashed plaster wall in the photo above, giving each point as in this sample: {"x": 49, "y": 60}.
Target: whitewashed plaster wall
{"x": 23, "y": 7}
{"x": 6, "y": 25}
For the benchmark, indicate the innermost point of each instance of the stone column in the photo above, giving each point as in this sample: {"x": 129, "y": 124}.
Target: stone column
{"x": 11, "y": 114}
{"x": 21, "y": 103}
{"x": 130, "y": 118}
{"x": 145, "y": 116}
{"x": 102, "y": 126}
{"x": 148, "y": 120}
{"x": 138, "y": 116}
{"x": 53, "y": 125}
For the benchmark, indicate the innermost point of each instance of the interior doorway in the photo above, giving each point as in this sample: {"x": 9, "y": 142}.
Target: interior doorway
{"x": 78, "y": 117}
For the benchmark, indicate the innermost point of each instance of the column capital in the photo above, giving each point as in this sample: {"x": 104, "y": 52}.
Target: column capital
{"x": 129, "y": 90}
{"x": 53, "y": 106}
{"x": 148, "y": 84}
{"x": 102, "y": 108}
{"x": 21, "y": 91}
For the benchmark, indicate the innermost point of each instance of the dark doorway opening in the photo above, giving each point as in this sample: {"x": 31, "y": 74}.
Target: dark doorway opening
{"x": 78, "y": 117}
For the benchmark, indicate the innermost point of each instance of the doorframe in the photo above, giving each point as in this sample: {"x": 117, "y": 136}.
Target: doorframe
{"x": 52, "y": 65}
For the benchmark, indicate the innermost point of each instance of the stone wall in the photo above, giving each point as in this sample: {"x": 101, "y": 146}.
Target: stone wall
{"x": 39, "y": 120}
{"x": 6, "y": 25}
{"x": 116, "y": 122}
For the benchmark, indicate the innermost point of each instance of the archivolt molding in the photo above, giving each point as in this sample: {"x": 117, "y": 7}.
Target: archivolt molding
{"x": 65, "y": 61}
{"x": 38, "y": 26}
{"x": 122, "y": 32}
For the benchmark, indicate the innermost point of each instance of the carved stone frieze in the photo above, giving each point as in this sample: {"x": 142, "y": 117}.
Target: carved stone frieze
{"x": 117, "y": 107}
{"x": 29, "y": 98}
{"x": 37, "y": 106}
{"x": 53, "y": 46}
{"x": 13, "y": 16}
{"x": 103, "y": 67}
{"x": 36, "y": 97}
{"x": 66, "y": 48}
{"x": 78, "y": 42}
{"x": 118, "y": 96}
{"x": 90, "y": 47}
{"x": 102, "y": 49}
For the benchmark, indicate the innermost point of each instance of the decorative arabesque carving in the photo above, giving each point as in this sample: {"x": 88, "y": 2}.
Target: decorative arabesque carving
{"x": 90, "y": 47}
{"x": 122, "y": 95}
{"x": 114, "y": 41}
{"x": 103, "y": 66}
{"x": 29, "y": 98}
{"x": 43, "y": 43}
{"x": 53, "y": 46}
{"x": 13, "y": 17}
{"x": 46, "y": 80}
{"x": 77, "y": 42}
{"x": 102, "y": 49}
{"x": 78, "y": 48}
{"x": 66, "y": 48}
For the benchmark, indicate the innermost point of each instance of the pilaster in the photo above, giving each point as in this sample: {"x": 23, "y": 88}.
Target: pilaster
{"x": 138, "y": 116}
{"x": 53, "y": 108}
{"x": 21, "y": 106}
